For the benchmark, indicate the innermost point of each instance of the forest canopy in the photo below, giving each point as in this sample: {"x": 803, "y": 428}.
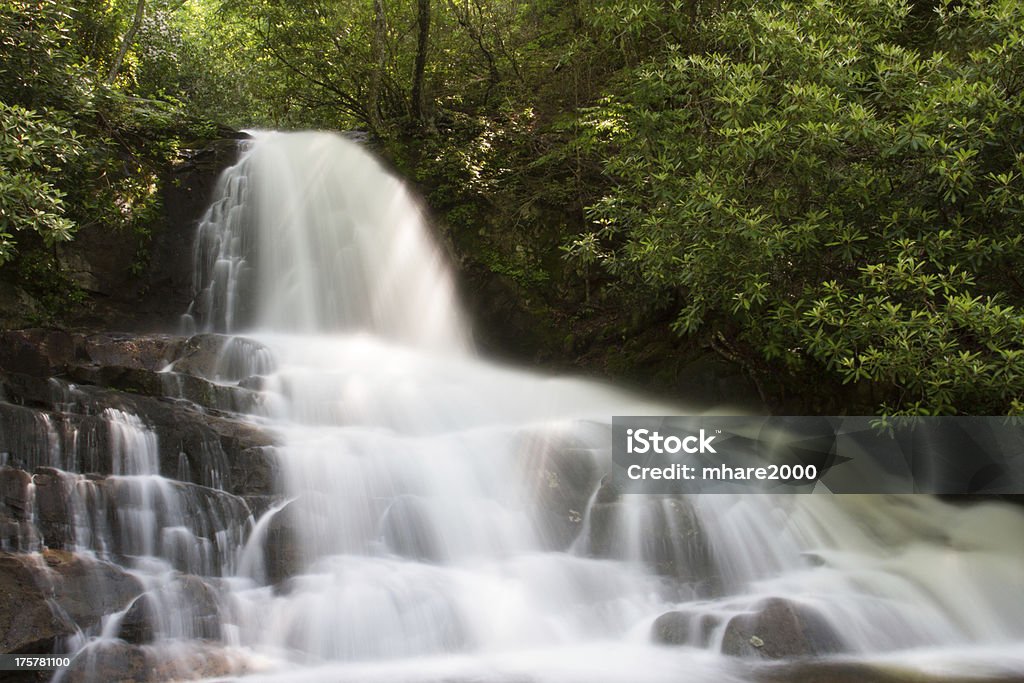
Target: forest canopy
{"x": 828, "y": 194}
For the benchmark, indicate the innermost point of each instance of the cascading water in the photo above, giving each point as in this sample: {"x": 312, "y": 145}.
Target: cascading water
{"x": 443, "y": 519}
{"x": 309, "y": 236}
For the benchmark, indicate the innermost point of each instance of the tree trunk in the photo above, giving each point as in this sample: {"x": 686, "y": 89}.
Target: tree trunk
{"x": 377, "y": 75}
{"x": 126, "y": 42}
{"x": 418, "y": 96}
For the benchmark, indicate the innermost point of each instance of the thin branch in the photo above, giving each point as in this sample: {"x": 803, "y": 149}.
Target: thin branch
{"x": 126, "y": 42}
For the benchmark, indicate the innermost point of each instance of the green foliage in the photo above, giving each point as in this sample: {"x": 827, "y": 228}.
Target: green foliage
{"x": 830, "y": 197}
{"x": 33, "y": 154}
{"x": 41, "y": 276}
{"x": 828, "y": 193}
{"x": 78, "y": 152}
{"x": 317, "y": 61}
{"x": 39, "y": 69}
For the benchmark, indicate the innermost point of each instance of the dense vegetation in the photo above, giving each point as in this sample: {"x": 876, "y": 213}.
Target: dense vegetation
{"x": 84, "y": 136}
{"x": 826, "y": 193}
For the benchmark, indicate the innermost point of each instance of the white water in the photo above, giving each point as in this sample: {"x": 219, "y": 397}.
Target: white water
{"x": 309, "y": 236}
{"x": 413, "y": 471}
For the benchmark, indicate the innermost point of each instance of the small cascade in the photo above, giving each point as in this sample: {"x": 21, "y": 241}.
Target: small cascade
{"x": 174, "y": 539}
{"x": 135, "y": 513}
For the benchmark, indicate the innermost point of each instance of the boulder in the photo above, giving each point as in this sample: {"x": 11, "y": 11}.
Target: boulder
{"x": 49, "y": 595}
{"x": 283, "y": 555}
{"x": 138, "y": 623}
{"x": 780, "y": 629}
{"x": 110, "y": 661}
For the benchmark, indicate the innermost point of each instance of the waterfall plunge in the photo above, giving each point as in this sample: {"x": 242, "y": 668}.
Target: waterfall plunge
{"x": 415, "y": 474}
{"x": 310, "y": 235}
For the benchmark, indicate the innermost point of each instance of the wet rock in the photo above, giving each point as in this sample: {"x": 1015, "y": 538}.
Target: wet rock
{"x": 283, "y": 554}
{"x": 194, "y": 445}
{"x": 561, "y": 474}
{"x": 17, "y": 530}
{"x": 49, "y": 595}
{"x": 152, "y": 382}
{"x": 144, "y": 282}
{"x": 136, "y": 364}
{"x": 195, "y": 528}
{"x": 194, "y": 602}
{"x": 48, "y": 422}
{"x": 14, "y": 492}
{"x": 110, "y": 661}
{"x": 671, "y": 538}
{"x": 779, "y": 629}
{"x": 135, "y": 380}
{"x": 218, "y": 397}
{"x": 115, "y": 660}
{"x": 204, "y": 607}
{"x": 37, "y": 352}
{"x": 864, "y": 672}
{"x": 672, "y": 628}
{"x": 145, "y": 352}
{"x": 684, "y": 628}
{"x": 53, "y": 501}
{"x": 255, "y": 474}
{"x": 137, "y": 625}
{"x": 224, "y": 358}
{"x": 607, "y": 492}
{"x": 34, "y": 437}
{"x": 208, "y": 443}
{"x": 44, "y": 353}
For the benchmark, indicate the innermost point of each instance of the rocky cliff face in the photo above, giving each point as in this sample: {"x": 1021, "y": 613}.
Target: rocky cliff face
{"x": 129, "y": 281}
{"x": 126, "y": 474}
{"x": 146, "y": 287}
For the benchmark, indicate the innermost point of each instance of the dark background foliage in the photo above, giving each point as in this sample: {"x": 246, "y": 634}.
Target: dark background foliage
{"x": 823, "y": 196}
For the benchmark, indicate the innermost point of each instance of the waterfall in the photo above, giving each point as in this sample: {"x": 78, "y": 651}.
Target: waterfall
{"x": 443, "y": 518}
{"x": 311, "y": 235}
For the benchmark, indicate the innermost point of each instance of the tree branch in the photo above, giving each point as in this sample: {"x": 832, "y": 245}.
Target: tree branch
{"x": 126, "y": 42}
